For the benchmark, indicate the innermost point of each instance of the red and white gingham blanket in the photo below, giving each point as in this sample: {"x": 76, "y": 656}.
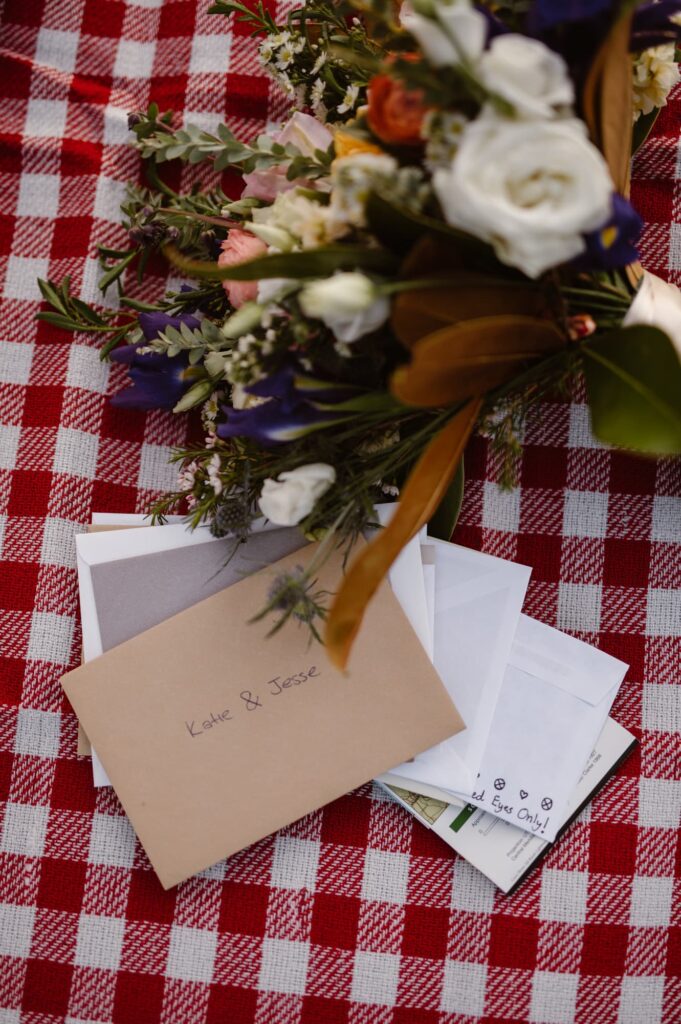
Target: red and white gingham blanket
{"x": 355, "y": 914}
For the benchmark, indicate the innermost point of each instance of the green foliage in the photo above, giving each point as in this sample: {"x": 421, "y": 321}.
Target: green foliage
{"x": 446, "y": 515}
{"x": 258, "y": 19}
{"x": 633, "y": 378}
{"x": 156, "y": 142}
{"x": 310, "y": 263}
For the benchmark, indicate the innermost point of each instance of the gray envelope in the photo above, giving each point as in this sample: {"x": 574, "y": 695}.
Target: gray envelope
{"x": 134, "y": 594}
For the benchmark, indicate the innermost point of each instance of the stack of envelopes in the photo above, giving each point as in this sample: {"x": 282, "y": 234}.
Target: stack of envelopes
{"x": 481, "y": 721}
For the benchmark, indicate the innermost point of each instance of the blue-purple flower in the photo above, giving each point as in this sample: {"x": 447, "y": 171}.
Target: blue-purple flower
{"x": 614, "y": 244}
{"x": 158, "y": 381}
{"x": 292, "y": 405}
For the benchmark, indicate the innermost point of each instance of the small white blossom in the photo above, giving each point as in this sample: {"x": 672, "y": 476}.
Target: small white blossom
{"x": 317, "y": 92}
{"x": 213, "y": 470}
{"x": 187, "y": 477}
{"x": 265, "y": 53}
{"x": 349, "y": 100}
{"x": 319, "y": 63}
{"x": 284, "y": 57}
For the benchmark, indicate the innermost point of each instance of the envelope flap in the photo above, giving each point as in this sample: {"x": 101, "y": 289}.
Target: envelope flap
{"x": 565, "y": 662}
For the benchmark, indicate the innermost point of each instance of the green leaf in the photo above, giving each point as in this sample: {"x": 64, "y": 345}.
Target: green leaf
{"x": 642, "y": 129}
{"x": 198, "y": 393}
{"x": 113, "y": 273}
{"x": 57, "y": 320}
{"x": 399, "y": 229}
{"x": 446, "y": 515}
{"x": 311, "y": 263}
{"x": 633, "y": 379}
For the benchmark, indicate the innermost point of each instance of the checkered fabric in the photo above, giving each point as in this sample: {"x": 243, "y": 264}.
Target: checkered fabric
{"x": 355, "y": 914}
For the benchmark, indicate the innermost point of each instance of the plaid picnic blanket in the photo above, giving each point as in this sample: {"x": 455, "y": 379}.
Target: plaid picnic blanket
{"x": 355, "y": 914}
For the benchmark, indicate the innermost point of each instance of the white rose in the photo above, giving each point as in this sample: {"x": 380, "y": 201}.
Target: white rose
{"x": 532, "y": 189}
{"x": 348, "y": 303}
{"x": 449, "y": 33}
{"x": 657, "y": 304}
{"x": 523, "y": 71}
{"x": 292, "y": 496}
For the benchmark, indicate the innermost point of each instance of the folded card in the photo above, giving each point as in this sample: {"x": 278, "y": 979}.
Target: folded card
{"x": 477, "y": 603}
{"x": 214, "y": 736}
{"x": 554, "y": 701}
{"x": 132, "y": 579}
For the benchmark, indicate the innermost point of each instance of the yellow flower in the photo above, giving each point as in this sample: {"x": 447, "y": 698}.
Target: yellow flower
{"x": 347, "y": 144}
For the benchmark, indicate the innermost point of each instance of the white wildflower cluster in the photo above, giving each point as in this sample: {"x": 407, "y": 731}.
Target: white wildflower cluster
{"x": 355, "y": 177}
{"x": 655, "y": 75}
{"x": 442, "y": 130}
{"x": 243, "y": 364}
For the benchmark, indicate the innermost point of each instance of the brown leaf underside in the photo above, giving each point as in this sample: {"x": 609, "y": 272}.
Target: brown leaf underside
{"x": 469, "y": 358}
{"x": 420, "y": 497}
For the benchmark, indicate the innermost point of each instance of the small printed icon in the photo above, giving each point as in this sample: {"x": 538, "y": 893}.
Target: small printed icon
{"x": 547, "y": 803}
{"x": 524, "y": 794}
{"x": 499, "y": 783}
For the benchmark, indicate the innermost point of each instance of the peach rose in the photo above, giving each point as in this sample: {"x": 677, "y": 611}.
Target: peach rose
{"x": 238, "y": 247}
{"x": 395, "y": 113}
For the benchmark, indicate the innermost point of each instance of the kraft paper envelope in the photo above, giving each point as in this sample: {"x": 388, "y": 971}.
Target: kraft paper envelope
{"x": 133, "y": 579}
{"x": 214, "y": 736}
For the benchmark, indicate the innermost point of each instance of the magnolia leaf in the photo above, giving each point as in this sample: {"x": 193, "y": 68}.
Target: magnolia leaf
{"x": 472, "y": 357}
{"x": 444, "y": 520}
{"x": 421, "y": 311}
{"x": 607, "y": 101}
{"x": 419, "y": 499}
{"x": 310, "y": 263}
{"x": 633, "y": 379}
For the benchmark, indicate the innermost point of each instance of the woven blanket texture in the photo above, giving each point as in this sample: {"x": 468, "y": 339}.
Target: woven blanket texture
{"x": 356, "y": 914}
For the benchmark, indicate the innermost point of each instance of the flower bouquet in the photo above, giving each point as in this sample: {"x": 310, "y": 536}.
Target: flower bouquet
{"x": 437, "y": 238}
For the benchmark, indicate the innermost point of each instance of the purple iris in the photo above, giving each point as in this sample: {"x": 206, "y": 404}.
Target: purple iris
{"x": 549, "y": 14}
{"x": 613, "y": 245}
{"x": 296, "y": 404}
{"x": 158, "y": 381}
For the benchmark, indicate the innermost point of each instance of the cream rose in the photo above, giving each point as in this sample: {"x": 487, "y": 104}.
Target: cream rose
{"x": 348, "y": 303}
{"x": 531, "y": 189}
{"x": 292, "y": 496}
{"x": 532, "y": 78}
{"x": 448, "y": 33}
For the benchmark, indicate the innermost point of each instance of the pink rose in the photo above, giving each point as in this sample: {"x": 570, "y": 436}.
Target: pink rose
{"x": 238, "y": 247}
{"x": 304, "y": 132}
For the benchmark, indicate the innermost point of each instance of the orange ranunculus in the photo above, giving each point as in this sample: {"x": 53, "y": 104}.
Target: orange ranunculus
{"x": 395, "y": 113}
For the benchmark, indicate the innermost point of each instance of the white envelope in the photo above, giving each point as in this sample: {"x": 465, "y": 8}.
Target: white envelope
{"x": 478, "y": 599}
{"x": 554, "y": 701}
